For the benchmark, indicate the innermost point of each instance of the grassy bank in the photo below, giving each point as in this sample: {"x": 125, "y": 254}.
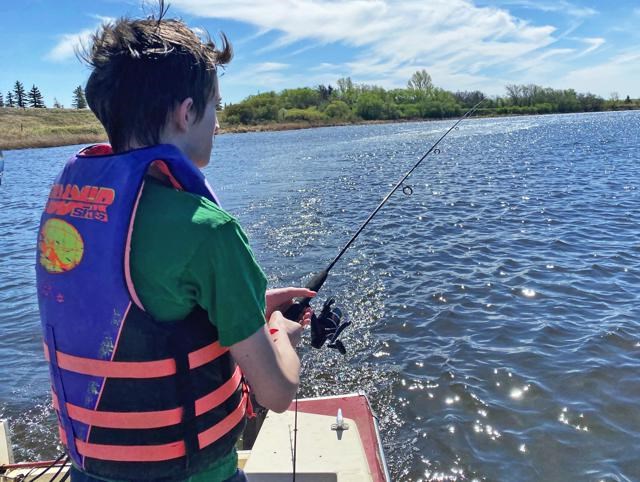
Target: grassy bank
{"x": 24, "y": 128}
{"x": 31, "y": 128}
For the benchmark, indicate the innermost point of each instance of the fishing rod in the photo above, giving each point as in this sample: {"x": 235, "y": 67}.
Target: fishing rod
{"x": 329, "y": 325}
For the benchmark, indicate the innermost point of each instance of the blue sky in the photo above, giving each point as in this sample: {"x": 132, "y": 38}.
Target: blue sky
{"x": 587, "y": 45}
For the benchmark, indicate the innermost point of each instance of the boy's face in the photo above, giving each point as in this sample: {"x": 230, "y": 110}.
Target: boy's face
{"x": 200, "y": 135}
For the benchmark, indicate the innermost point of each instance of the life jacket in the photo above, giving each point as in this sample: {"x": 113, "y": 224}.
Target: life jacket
{"x": 136, "y": 399}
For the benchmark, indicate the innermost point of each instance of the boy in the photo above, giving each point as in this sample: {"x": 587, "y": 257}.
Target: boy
{"x": 153, "y": 306}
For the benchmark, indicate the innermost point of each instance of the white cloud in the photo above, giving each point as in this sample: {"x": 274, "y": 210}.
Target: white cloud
{"x": 621, "y": 74}
{"x": 324, "y": 66}
{"x": 542, "y": 62}
{"x": 69, "y": 43}
{"x": 461, "y": 44}
{"x": 577, "y": 11}
{"x": 454, "y": 39}
{"x": 269, "y": 67}
{"x": 593, "y": 43}
{"x": 255, "y": 75}
{"x": 102, "y": 19}
{"x": 561, "y": 6}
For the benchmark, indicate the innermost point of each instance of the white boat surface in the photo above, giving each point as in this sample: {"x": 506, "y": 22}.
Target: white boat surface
{"x": 337, "y": 440}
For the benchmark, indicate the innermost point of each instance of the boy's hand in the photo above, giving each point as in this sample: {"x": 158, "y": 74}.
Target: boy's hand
{"x": 279, "y": 325}
{"x": 280, "y": 299}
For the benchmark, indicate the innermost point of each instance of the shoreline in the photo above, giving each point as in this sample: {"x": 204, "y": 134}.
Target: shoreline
{"x": 96, "y": 134}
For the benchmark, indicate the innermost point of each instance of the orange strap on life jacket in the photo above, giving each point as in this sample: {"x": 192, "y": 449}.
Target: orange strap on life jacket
{"x": 158, "y": 453}
{"x": 207, "y": 353}
{"x": 146, "y": 369}
{"x": 151, "y": 419}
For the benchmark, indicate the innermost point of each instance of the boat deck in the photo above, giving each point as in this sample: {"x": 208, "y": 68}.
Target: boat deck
{"x": 337, "y": 441}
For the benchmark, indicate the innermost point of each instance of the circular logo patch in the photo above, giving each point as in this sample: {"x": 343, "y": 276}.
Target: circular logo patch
{"x": 61, "y": 246}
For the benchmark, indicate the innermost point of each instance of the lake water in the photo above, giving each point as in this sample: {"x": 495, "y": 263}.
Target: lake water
{"x": 496, "y": 311}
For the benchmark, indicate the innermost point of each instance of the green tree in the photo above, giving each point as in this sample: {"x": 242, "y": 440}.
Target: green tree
{"x": 238, "y": 114}
{"x": 35, "y": 98}
{"x": 469, "y": 99}
{"x": 590, "y": 102}
{"x": 431, "y": 109}
{"x": 401, "y": 96}
{"x": 338, "y": 109}
{"x": 439, "y": 104}
{"x": 325, "y": 92}
{"x": 627, "y": 100}
{"x": 1, "y": 100}
{"x": 18, "y": 90}
{"x": 544, "y": 108}
{"x": 344, "y": 85}
{"x": 421, "y": 99}
{"x": 311, "y": 115}
{"x": 10, "y": 101}
{"x": 79, "y": 101}
{"x": 370, "y": 106}
{"x": 409, "y": 111}
{"x": 390, "y": 110}
{"x": 515, "y": 93}
{"x": 568, "y": 101}
{"x": 264, "y": 106}
{"x": 299, "y": 98}
{"x": 420, "y": 80}
{"x": 346, "y": 91}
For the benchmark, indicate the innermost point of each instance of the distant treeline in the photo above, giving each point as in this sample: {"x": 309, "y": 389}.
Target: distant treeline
{"x": 349, "y": 102}
{"x": 19, "y": 98}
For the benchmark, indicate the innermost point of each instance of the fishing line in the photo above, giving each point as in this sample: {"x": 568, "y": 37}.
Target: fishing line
{"x": 329, "y": 325}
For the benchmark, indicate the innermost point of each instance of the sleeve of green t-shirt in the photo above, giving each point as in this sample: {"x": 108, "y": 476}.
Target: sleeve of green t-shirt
{"x": 231, "y": 285}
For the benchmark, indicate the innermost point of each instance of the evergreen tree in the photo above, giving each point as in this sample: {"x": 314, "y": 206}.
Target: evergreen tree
{"x": 35, "y": 98}
{"x": 10, "y": 101}
{"x": 19, "y": 91}
{"x": 79, "y": 102}
{"x": 1, "y": 100}
{"x": 56, "y": 104}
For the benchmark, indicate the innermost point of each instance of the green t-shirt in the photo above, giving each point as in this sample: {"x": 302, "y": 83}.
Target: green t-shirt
{"x": 187, "y": 251}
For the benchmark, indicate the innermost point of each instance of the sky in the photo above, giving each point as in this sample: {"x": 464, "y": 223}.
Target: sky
{"x": 588, "y": 45}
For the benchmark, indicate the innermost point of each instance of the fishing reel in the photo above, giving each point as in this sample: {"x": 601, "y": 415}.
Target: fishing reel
{"x": 328, "y": 325}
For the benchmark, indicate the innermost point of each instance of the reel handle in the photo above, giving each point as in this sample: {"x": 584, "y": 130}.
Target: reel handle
{"x": 297, "y": 308}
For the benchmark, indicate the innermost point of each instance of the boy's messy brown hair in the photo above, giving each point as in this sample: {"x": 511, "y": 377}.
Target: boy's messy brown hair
{"x": 142, "y": 69}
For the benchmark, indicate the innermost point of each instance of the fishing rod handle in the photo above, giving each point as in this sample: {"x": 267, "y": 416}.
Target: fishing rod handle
{"x": 295, "y": 311}
{"x": 297, "y": 308}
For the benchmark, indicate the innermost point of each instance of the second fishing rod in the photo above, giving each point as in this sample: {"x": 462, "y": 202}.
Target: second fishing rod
{"x": 328, "y": 325}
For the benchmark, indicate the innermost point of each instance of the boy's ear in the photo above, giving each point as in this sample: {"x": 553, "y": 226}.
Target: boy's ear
{"x": 182, "y": 115}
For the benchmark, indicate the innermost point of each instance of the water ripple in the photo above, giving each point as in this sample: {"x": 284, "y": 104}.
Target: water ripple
{"x": 495, "y": 311}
